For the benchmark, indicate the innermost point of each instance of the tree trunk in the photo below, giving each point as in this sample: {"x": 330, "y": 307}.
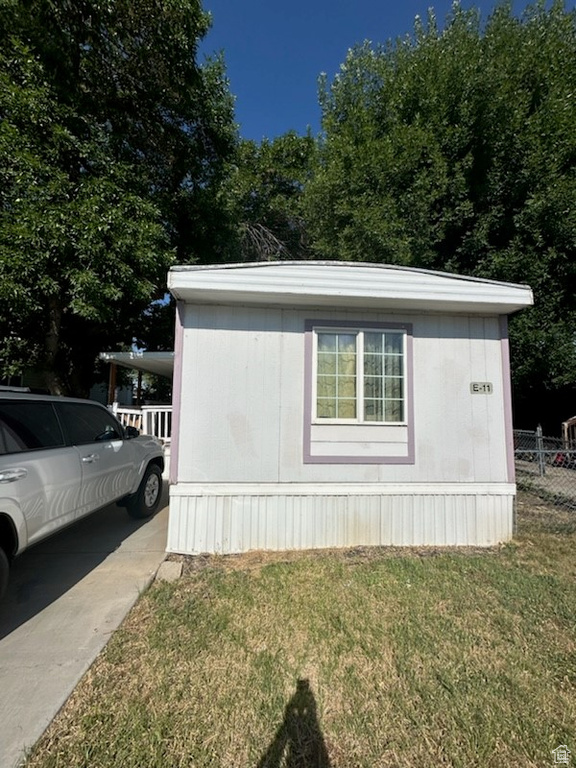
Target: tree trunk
{"x": 52, "y": 379}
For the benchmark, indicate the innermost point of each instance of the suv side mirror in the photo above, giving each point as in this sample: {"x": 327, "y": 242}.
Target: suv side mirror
{"x": 131, "y": 432}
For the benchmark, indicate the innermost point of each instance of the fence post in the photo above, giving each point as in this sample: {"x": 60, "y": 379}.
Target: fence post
{"x": 540, "y": 450}
{"x": 147, "y": 422}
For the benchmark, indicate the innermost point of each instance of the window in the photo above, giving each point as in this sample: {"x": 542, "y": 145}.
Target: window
{"x": 89, "y": 423}
{"x": 28, "y": 426}
{"x": 360, "y": 376}
{"x": 358, "y": 392}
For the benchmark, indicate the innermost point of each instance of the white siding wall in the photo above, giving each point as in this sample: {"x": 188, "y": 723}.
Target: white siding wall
{"x": 242, "y": 423}
{"x": 243, "y": 395}
{"x": 233, "y": 519}
{"x": 359, "y": 440}
{"x": 231, "y": 384}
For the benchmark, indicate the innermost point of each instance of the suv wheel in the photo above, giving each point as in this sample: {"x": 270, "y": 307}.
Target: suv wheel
{"x": 147, "y": 498}
{"x": 4, "y": 571}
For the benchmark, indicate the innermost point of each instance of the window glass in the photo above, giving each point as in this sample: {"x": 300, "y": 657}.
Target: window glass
{"x": 88, "y": 423}
{"x": 336, "y": 379}
{"x": 366, "y": 366}
{"x": 373, "y": 377}
{"x": 394, "y": 343}
{"x": 394, "y": 410}
{"x": 383, "y": 376}
{"x": 28, "y": 426}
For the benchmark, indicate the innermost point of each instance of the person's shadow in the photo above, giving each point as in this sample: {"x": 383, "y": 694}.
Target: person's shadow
{"x": 298, "y": 742}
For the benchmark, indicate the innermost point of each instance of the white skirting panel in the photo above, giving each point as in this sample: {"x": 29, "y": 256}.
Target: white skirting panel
{"x": 236, "y": 518}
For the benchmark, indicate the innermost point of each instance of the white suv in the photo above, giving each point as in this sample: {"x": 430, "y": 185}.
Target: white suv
{"x": 62, "y": 458}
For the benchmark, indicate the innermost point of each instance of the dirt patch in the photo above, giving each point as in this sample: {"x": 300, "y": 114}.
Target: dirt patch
{"x": 254, "y": 560}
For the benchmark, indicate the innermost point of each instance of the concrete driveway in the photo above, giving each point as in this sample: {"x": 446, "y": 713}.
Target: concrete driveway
{"x": 66, "y": 597}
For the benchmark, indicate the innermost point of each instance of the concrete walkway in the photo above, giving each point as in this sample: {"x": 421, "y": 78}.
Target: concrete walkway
{"x": 65, "y": 599}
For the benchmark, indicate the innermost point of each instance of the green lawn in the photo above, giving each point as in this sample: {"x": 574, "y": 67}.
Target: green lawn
{"x": 361, "y": 658}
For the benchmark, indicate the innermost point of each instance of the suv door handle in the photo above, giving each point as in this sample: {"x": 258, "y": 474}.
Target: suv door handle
{"x": 11, "y": 475}
{"x": 90, "y": 458}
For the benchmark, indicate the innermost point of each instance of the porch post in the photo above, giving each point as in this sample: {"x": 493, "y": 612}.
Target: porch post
{"x": 112, "y": 384}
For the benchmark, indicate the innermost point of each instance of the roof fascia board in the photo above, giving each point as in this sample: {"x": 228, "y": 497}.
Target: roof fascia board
{"x": 322, "y": 284}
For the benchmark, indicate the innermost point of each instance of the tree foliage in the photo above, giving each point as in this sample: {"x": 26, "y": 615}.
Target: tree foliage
{"x": 264, "y": 193}
{"x": 454, "y": 149}
{"x": 112, "y": 139}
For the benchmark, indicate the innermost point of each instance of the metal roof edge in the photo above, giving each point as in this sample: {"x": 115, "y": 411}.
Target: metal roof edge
{"x": 343, "y": 264}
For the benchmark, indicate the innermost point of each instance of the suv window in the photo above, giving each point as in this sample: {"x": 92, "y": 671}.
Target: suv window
{"x": 28, "y": 426}
{"x": 88, "y": 423}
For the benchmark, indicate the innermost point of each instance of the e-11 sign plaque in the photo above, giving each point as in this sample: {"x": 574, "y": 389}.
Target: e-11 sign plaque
{"x": 481, "y": 387}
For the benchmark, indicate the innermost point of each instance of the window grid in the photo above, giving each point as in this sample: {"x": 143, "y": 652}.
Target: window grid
{"x": 375, "y": 393}
{"x": 337, "y": 375}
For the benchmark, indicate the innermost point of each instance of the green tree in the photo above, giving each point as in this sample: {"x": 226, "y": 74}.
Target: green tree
{"x": 112, "y": 140}
{"x": 263, "y": 193}
{"x": 454, "y": 149}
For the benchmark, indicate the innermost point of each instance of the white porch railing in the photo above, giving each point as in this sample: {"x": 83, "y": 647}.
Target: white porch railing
{"x": 149, "y": 419}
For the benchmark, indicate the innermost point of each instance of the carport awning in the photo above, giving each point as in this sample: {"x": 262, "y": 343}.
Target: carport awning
{"x": 159, "y": 363}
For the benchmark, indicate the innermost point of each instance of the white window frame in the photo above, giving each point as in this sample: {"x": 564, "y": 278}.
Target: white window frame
{"x": 359, "y": 332}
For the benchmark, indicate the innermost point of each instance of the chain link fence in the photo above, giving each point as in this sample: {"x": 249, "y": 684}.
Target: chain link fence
{"x": 546, "y": 469}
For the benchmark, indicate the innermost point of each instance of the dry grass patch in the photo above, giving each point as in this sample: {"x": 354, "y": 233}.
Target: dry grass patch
{"x": 341, "y": 659}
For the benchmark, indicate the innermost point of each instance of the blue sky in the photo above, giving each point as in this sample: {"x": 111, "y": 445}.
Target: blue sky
{"x": 275, "y": 50}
